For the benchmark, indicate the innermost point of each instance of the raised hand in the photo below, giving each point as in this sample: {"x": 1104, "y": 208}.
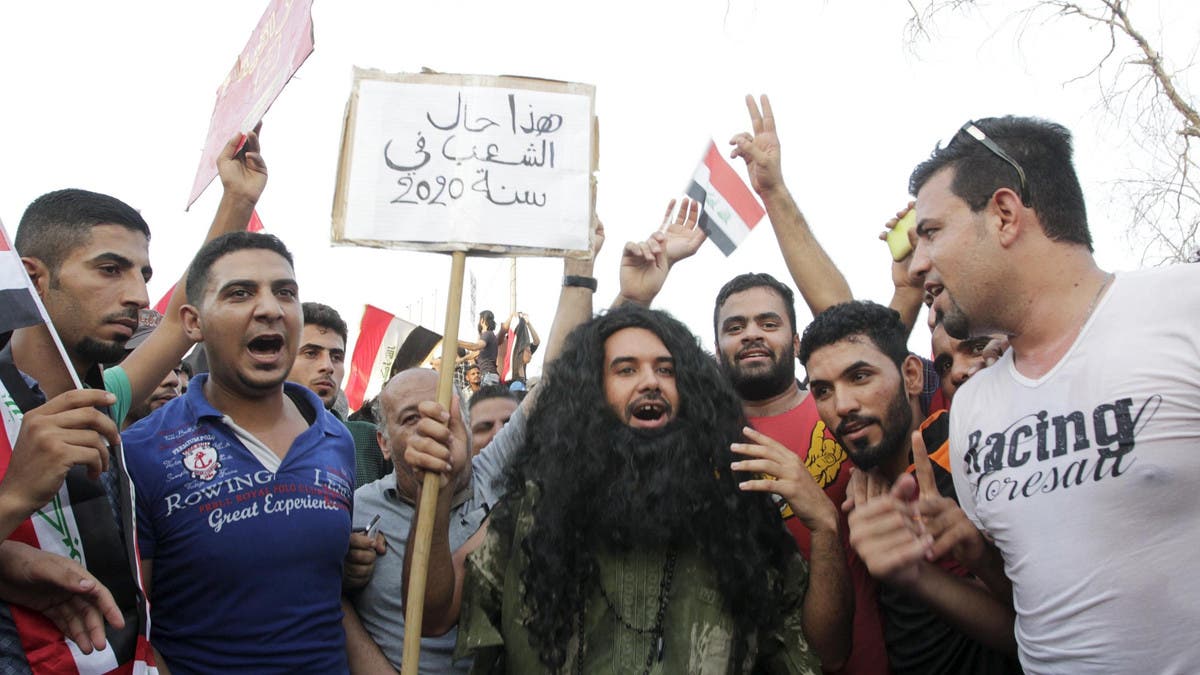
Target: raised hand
{"x": 679, "y": 236}
{"x": 945, "y": 523}
{"x": 597, "y": 239}
{"x": 885, "y": 528}
{"x": 784, "y": 475}
{"x": 760, "y": 151}
{"x": 901, "y": 277}
{"x": 241, "y": 167}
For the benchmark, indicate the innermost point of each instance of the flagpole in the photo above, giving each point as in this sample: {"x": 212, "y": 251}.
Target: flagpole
{"x": 512, "y": 286}
{"x": 62, "y": 351}
{"x": 415, "y": 603}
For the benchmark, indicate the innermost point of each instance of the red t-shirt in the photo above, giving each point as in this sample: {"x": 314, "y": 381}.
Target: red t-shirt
{"x": 802, "y": 431}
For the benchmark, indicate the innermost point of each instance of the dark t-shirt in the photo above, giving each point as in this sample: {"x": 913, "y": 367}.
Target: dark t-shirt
{"x": 487, "y": 356}
{"x": 918, "y": 639}
{"x": 95, "y": 507}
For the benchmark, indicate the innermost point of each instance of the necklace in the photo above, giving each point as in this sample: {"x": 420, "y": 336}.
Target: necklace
{"x": 655, "y": 631}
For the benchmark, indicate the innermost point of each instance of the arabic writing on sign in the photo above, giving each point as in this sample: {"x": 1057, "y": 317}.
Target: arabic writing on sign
{"x": 483, "y": 141}
{"x": 464, "y": 162}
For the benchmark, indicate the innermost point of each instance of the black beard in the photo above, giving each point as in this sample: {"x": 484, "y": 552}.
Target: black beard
{"x": 762, "y": 385}
{"x": 657, "y": 478}
{"x": 955, "y": 322}
{"x": 99, "y": 351}
{"x": 895, "y": 428}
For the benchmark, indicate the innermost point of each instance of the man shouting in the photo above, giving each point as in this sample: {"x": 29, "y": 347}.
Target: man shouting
{"x": 625, "y": 543}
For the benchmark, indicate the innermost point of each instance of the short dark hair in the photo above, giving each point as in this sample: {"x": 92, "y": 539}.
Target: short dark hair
{"x": 488, "y": 318}
{"x": 325, "y": 317}
{"x": 59, "y": 222}
{"x": 1042, "y": 148}
{"x": 744, "y": 282}
{"x": 881, "y": 325}
{"x": 210, "y": 253}
{"x": 492, "y": 391}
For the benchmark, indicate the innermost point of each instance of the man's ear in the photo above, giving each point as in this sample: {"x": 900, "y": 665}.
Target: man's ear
{"x": 1013, "y": 215}
{"x": 190, "y": 316}
{"x": 913, "y": 370}
{"x": 384, "y": 448}
{"x": 39, "y": 274}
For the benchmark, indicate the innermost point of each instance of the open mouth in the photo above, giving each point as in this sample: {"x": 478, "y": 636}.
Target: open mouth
{"x": 266, "y": 346}
{"x": 647, "y": 412}
{"x": 755, "y": 353}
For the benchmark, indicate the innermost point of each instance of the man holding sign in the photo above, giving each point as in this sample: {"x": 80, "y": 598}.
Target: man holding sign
{"x": 867, "y": 385}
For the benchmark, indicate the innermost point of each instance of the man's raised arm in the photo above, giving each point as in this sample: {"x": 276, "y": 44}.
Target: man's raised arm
{"x": 645, "y": 264}
{"x": 243, "y": 179}
{"x": 817, "y": 278}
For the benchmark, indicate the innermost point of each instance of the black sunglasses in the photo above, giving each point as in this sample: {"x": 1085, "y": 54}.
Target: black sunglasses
{"x": 975, "y": 132}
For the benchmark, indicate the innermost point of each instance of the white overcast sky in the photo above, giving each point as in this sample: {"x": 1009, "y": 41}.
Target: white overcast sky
{"x": 116, "y": 97}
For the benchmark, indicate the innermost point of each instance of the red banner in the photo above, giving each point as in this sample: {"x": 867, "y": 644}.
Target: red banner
{"x": 278, "y": 46}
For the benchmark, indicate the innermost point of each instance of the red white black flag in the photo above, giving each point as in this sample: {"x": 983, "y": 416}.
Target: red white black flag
{"x": 385, "y": 345}
{"x": 730, "y": 209}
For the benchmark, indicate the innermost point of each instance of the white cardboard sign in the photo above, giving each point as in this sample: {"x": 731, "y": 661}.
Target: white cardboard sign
{"x": 466, "y": 163}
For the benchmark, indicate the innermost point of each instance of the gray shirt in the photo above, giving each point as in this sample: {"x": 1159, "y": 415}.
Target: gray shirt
{"x": 379, "y": 604}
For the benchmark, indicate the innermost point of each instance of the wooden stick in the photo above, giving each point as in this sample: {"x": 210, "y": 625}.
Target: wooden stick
{"x": 414, "y": 614}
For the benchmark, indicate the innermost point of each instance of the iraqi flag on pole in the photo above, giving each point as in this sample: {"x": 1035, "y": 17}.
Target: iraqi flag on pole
{"x": 385, "y": 345}
{"x": 730, "y": 210}
{"x": 18, "y": 302}
{"x": 77, "y": 523}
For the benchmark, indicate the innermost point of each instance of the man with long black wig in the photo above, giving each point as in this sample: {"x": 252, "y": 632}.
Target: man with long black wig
{"x": 626, "y": 542}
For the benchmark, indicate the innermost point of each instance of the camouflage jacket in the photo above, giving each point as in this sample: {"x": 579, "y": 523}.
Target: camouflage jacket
{"x": 698, "y": 631}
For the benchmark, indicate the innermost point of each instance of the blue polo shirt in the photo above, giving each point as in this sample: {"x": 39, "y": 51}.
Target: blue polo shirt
{"x": 247, "y": 572}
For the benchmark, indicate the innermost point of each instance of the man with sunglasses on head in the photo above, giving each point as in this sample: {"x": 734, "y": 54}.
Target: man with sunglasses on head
{"x": 1075, "y": 453}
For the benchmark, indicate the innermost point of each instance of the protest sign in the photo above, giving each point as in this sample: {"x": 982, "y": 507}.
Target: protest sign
{"x": 278, "y": 46}
{"x": 466, "y": 163}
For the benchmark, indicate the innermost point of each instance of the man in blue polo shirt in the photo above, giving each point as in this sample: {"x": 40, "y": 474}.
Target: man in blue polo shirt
{"x": 244, "y": 485}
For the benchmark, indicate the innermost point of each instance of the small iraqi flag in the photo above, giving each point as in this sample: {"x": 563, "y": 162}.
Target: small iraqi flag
{"x": 729, "y": 210}
{"x": 18, "y": 303}
{"x": 385, "y": 346}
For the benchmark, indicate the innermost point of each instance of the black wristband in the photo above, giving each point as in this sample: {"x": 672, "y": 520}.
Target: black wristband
{"x": 576, "y": 281}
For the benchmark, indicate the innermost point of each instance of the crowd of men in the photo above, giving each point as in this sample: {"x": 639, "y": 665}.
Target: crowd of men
{"x": 1020, "y": 502}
